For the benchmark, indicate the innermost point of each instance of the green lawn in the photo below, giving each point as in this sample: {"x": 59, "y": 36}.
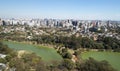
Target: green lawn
{"x": 47, "y": 54}
{"x": 112, "y": 57}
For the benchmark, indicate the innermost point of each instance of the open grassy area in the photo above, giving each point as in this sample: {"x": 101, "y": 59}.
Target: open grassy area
{"x": 47, "y": 54}
{"x": 112, "y": 57}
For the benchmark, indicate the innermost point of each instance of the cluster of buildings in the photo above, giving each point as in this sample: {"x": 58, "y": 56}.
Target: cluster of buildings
{"x": 67, "y": 23}
{"x": 82, "y": 27}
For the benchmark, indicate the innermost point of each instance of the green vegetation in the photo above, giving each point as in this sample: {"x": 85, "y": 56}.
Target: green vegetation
{"x": 26, "y": 63}
{"x": 32, "y": 62}
{"x": 112, "y": 57}
{"x": 66, "y": 54}
{"x": 73, "y": 42}
{"x": 110, "y": 43}
{"x": 46, "y": 53}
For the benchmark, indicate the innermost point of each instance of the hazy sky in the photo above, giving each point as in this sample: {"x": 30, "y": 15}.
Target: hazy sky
{"x": 61, "y": 9}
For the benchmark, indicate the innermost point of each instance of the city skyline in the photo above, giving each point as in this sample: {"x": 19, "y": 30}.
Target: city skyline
{"x": 61, "y": 9}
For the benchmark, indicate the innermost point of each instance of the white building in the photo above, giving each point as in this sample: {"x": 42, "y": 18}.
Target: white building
{"x": 2, "y": 56}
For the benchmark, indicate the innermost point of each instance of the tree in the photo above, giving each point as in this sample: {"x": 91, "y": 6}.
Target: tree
{"x": 87, "y": 43}
{"x": 67, "y": 55}
{"x": 68, "y": 64}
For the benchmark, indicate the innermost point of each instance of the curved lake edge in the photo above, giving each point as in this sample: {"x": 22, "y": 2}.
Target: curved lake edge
{"x": 45, "y": 52}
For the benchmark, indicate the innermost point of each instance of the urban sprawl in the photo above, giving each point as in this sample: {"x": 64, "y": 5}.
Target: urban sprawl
{"x": 68, "y": 27}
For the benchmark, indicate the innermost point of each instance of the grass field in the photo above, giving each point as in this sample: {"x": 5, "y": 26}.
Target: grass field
{"x": 112, "y": 57}
{"x": 47, "y": 54}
